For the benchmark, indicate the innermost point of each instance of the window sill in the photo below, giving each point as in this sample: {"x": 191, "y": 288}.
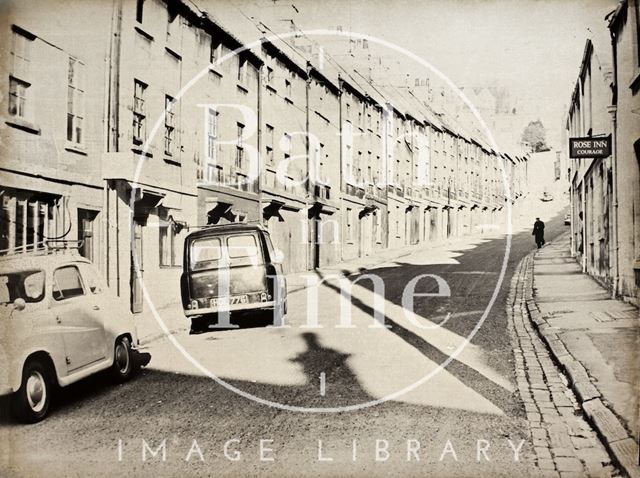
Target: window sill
{"x": 162, "y": 266}
{"x": 75, "y": 148}
{"x": 142, "y": 32}
{"x": 271, "y": 88}
{"x": 242, "y": 87}
{"x": 140, "y": 152}
{"x": 23, "y": 124}
{"x": 171, "y": 160}
{"x": 288, "y": 100}
{"x": 215, "y": 71}
{"x": 173, "y": 53}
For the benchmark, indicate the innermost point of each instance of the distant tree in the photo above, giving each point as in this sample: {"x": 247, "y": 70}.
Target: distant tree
{"x": 534, "y": 135}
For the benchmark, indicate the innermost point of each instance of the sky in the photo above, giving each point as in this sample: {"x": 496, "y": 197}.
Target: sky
{"x": 531, "y": 47}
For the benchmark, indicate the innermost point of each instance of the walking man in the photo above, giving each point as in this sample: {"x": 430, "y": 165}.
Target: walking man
{"x": 538, "y": 232}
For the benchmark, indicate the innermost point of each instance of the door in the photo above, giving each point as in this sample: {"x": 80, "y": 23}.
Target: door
{"x": 136, "y": 272}
{"x": 228, "y": 270}
{"x": 316, "y": 233}
{"x": 79, "y": 318}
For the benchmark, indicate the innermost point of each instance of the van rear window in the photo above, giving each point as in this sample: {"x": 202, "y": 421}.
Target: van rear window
{"x": 205, "y": 252}
{"x": 242, "y": 246}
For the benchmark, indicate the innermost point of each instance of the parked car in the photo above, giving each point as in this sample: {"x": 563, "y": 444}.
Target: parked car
{"x": 59, "y": 323}
{"x": 567, "y": 219}
{"x": 232, "y": 268}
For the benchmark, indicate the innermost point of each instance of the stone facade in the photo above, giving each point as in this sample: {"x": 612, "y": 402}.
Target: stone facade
{"x": 171, "y": 123}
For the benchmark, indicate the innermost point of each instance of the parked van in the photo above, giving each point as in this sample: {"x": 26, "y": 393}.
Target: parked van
{"x": 232, "y": 268}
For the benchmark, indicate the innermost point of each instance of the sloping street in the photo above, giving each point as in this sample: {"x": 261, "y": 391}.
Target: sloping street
{"x": 468, "y": 416}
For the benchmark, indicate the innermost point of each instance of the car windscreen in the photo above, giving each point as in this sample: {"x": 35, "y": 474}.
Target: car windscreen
{"x": 205, "y": 253}
{"x": 27, "y": 285}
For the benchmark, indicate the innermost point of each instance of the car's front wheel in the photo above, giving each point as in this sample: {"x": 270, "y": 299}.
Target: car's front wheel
{"x": 123, "y": 367}
{"x": 30, "y": 403}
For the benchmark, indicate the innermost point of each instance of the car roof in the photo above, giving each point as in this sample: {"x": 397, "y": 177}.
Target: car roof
{"x": 39, "y": 260}
{"x": 226, "y": 229}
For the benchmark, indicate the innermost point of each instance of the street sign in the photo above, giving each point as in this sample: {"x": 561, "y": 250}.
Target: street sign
{"x": 590, "y": 147}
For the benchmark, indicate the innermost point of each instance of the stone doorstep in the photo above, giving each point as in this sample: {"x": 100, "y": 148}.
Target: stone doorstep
{"x": 615, "y": 437}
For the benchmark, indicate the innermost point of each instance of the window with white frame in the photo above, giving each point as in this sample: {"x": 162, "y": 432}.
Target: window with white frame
{"x": 348, "y": 163}
{"x": 350, "y": 225}
{"x": 169, "y": 252}
{"x": 19, "y": 84}
{"x": 75, "y": 101}
{"x": 286, "y": 145}
{"x": 269, "y": 144}
{"x": 320, "y": 162}
{"x": 139, "y": 112}
{"x": 212, "y": 135}
{"x": 169, "y": 126}
{"x": 242, "y": 70}
{"x": 240, "y": 148}
{"x": 215, "y": 52}
{"x": 287, "y": 88}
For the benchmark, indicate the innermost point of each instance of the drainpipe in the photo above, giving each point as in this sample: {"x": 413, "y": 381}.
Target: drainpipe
{"x": 312, "y": 233}
{"x": 111, "y": 119}
{"x": 584, "y": 225}
{"x": 259, "y": 143}
{"x": 614, "y": 155}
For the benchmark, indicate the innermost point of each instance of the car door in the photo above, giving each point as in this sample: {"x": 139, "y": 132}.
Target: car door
{"x": 80, "y": 321}
{"x": 101, "y": 301}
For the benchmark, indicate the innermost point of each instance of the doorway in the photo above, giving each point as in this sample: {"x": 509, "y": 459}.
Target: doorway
{"x": 136, "y": 273}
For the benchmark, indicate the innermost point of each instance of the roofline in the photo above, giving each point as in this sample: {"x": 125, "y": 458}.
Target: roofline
{"x": 315, "y": 72}
{"x": 208, "y": 24}
{"x": 351, "y": 88}
{"x": 277, "y": 52}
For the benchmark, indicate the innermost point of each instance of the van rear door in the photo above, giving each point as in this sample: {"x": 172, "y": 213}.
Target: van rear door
{"x": 228, "y": 269}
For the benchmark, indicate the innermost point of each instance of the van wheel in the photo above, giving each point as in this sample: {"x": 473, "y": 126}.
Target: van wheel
{"x": 198, "y": 325}
{"x": 30, "y": 403}
{"x": 122, "y": 368}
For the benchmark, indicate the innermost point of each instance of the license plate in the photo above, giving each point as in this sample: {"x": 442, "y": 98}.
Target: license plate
{"x": 226, "y": 301}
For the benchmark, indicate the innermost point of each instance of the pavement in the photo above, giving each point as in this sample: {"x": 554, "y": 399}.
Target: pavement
{"x": 595, "y": 341}
{"x": 563, "y": 441}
